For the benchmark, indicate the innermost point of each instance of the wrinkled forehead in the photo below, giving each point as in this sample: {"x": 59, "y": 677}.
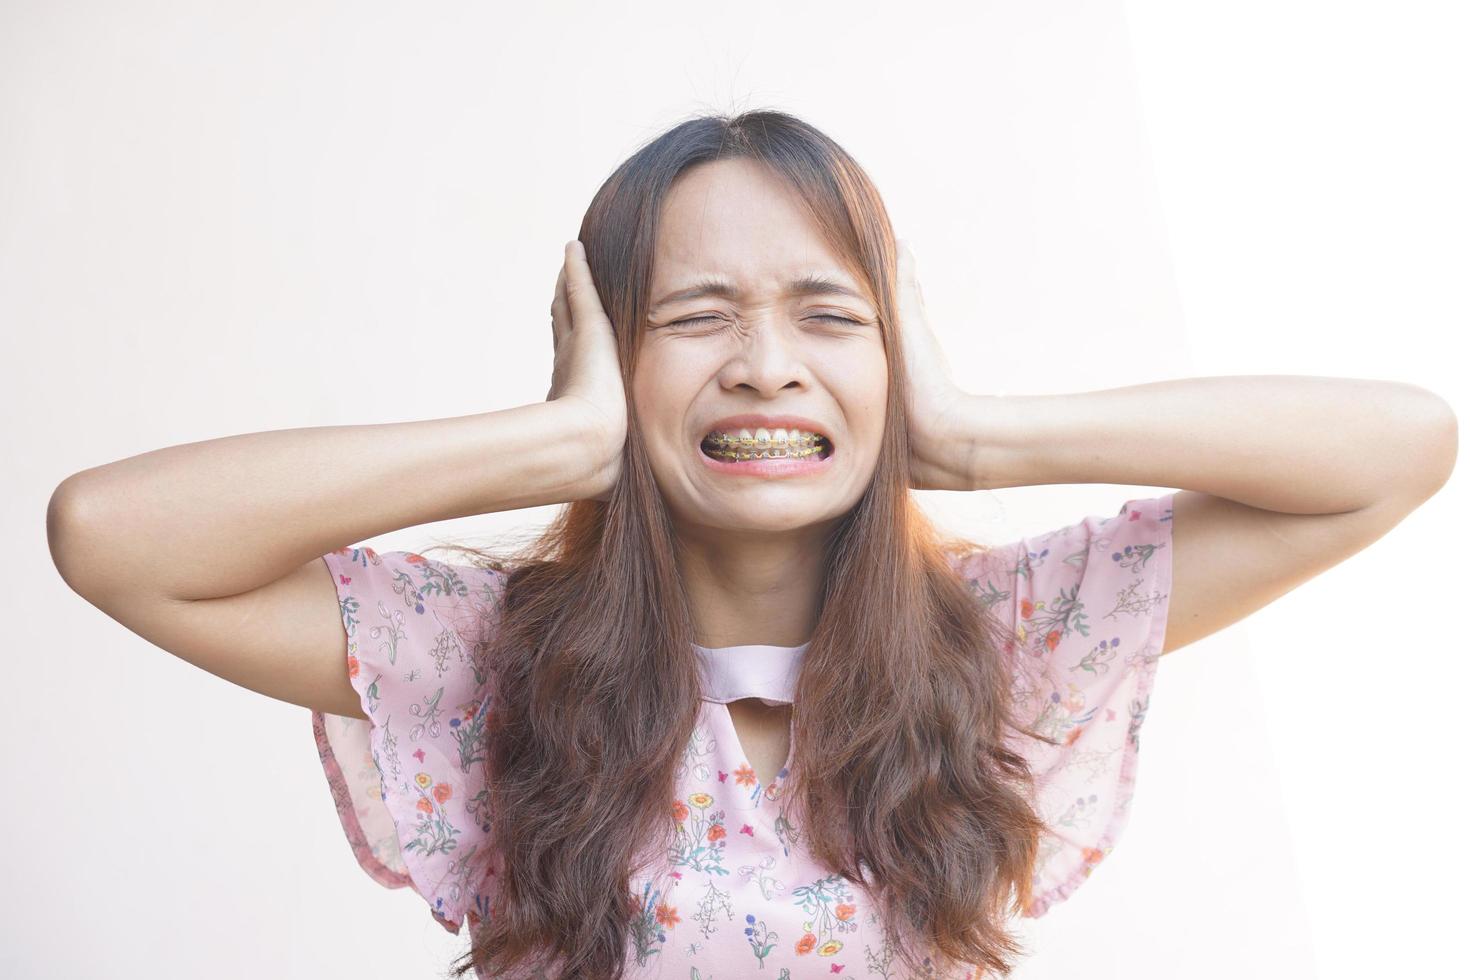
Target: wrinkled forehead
{"x": 735, "y": 221}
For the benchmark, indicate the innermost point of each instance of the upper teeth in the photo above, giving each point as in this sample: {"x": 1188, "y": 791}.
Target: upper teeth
{"x": 764, "y": 438}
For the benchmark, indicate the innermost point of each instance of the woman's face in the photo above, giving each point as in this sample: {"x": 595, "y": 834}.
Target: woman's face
{"x": 761, "y": 353}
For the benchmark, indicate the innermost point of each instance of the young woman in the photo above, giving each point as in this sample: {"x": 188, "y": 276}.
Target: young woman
{"x": 742, "y": 711}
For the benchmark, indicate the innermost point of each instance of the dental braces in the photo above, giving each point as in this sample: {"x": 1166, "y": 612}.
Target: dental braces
{"x": 736, "y": 448}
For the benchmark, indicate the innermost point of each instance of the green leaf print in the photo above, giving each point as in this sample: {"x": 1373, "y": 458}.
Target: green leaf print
{"x": 1063, "y": 613}
{"x": 762, "y": 940}
{"x": 821, "y": 901}
{"x": 647, "y": 933}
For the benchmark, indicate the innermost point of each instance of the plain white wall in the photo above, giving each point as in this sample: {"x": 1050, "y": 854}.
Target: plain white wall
{"x": 275, "y": 215}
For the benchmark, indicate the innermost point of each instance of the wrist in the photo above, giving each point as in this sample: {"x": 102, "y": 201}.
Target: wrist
{"x": 597, "y": 442}
{"x": 960, "y": 441}
{"x": 977, "y": 429}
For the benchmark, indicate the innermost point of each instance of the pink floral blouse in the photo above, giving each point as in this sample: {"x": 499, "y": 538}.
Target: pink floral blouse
{"x": 1085, "y": 605}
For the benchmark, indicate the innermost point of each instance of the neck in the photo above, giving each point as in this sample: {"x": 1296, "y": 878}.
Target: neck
{"x": 753, "y": 588}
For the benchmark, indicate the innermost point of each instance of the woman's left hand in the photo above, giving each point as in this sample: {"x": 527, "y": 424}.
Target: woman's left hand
{"x": 939, "y": 444}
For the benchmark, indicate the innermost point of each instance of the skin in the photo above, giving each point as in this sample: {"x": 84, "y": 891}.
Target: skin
{"x": 1282, "y": 477}
{"x": 747, "y": 542}
{"x": 1246, "y": 529}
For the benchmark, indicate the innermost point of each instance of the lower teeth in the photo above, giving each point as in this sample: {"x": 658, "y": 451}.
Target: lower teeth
{"x": 746, "y": 454}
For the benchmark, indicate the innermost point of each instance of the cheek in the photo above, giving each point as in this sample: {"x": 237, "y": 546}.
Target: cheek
{"x": 649, "y": 396}
{"x": 867, "y": 393}
{"x": 663, "y": 388}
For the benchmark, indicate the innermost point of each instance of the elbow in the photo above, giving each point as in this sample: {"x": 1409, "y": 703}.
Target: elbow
{"x": 1447, "y": 442}
{"x": 66, "y": 536}
{"x": 1437, "y": 444}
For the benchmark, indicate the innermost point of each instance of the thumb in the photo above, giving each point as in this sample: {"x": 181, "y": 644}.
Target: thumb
{"x": 907, "y": 273}
{"x": 581, "y": 292}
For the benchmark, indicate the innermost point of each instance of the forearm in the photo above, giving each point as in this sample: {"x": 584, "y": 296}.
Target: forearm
{"x": 1288, "y": 443}
{"x": 271, "y": 501}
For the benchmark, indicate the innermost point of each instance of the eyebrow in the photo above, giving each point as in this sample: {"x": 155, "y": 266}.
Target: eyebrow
{"x": 807, "y": 285}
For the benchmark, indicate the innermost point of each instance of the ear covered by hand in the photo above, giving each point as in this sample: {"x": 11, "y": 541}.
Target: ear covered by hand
{"x": 586, "y": 374}
{"x": 939, "y": 452}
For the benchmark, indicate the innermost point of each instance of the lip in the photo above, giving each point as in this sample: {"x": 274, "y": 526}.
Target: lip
{"x": 767, "y": 467}
{"x": 754, "y": 421}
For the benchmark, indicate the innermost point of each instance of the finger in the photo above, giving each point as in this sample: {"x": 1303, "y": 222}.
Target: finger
{"x": 907, "y": 271}
{"x": 581, "y": 293}
{"x": 561, "y": 317}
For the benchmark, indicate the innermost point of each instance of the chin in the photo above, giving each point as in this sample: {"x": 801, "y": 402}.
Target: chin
{"x": 758, "y": 514}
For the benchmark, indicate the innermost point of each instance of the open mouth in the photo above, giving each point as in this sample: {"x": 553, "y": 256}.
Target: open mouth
{"x": 748, "y": 444}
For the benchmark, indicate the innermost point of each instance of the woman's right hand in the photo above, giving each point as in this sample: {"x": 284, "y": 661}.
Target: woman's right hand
{"x": 586, "y": 373}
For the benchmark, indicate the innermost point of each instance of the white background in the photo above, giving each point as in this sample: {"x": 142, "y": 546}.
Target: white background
{"x": 274, "y": 215}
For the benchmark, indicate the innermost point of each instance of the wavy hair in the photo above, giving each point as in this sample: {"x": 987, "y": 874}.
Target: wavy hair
{"x": 901, "y": 774}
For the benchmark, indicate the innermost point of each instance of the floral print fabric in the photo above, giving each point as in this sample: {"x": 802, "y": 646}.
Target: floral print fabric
{"x": 408, "y": 785}
{"x": 1084, "y": 607}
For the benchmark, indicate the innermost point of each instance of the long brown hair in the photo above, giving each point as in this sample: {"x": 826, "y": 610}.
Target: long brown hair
{"x": 900, "y": 768}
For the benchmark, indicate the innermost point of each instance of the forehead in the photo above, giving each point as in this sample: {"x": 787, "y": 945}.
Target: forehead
{"x": 733, "y": 218}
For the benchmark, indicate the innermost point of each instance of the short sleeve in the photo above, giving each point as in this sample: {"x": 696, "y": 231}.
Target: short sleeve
{"x": 408, "y": 782}
{"x": 1084, "y": 608}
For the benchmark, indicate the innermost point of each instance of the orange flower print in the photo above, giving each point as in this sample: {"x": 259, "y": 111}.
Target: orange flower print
{"x": 1074, "y": 735}
{"x": 745, "y": 776}
{"x": 1091, "y": 855}
{"x": 845, "y": 911}
{"x": 1027, "y": 608}
{"x": 806, "y": 943}
{"x": 1052, "y": 639}
{"x": 701, "y": 800}
{"x": 829, "y": 948}
{"x": 716, "y": 832}
{"x": 667, "y": 915}
{"x": 352, "y": 666}
{"x": 681, "y": 812}
{"x": 442, "y": 792}
{"x": 424, "y": 806}
{"x": 415, "y": 559}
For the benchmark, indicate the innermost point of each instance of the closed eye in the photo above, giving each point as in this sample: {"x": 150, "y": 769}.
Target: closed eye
{"x": 837, "y": 319}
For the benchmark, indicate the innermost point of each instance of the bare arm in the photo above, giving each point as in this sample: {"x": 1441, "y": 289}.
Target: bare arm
{"x": 161, "y": 522}
{"x": 1284, "y": 476}
{"x": 211, "y": 550}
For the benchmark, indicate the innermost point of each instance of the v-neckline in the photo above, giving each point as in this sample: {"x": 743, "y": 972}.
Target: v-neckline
{"x": 763, "y": 791}
{"x": 767, "y": 672}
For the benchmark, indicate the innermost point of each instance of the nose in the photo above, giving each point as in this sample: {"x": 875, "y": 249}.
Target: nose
{"x": 767, "y": 361}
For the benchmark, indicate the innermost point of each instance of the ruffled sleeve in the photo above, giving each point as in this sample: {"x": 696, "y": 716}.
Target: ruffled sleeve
{"x": 1084, "y": 608}
{"x": 408, "y": 782}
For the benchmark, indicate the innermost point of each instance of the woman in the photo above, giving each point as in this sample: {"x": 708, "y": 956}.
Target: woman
{"x": 591, "y": 751}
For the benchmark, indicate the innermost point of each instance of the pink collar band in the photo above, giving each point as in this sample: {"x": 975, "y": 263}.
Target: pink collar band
{"x": 750, "y": 671}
